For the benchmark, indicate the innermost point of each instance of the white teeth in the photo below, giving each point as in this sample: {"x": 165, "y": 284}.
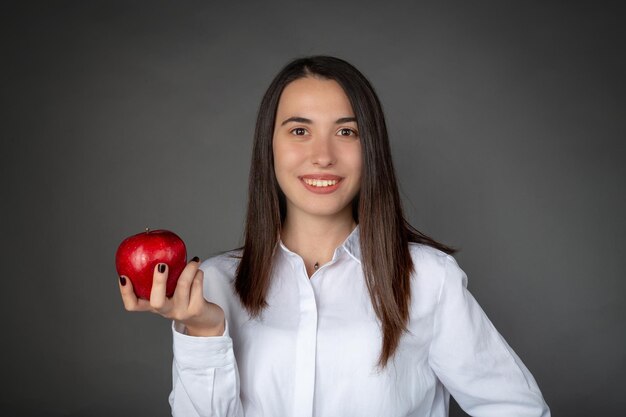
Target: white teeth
{"x": 320, "y": 183}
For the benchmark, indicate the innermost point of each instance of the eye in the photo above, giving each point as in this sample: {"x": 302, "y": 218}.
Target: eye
{"x": 298, "y": 131}
{"x": 344, "y": 131}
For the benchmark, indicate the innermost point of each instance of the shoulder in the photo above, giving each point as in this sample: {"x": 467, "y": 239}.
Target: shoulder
{"x": 432, "y": 267}
{"x": 224, "y": 264}
{"x": 218, "y": 283}
{"x": 427, "y": 255}
{"x": 219, "y": 276}
{"x": 220, "y": 270}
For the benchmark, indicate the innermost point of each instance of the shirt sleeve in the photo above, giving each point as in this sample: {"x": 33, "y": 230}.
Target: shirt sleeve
{"x": 474, "y": 362}
{"x": 205, "y": 381}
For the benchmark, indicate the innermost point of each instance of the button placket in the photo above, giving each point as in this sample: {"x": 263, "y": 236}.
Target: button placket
{"x": 306, "y": 343}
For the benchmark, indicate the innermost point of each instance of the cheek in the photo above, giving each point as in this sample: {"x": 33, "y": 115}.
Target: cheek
{"x": 278, "y": 156}
{"x": 285, "y": 157}
{"x": 283, "y": 164}
{"x": 356, "y": 162}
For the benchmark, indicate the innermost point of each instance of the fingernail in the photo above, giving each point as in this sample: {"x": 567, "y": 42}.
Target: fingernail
{"x": 195, "y": 259}
{"x": 161, "y": 268}
{"x": 122, "y": 281}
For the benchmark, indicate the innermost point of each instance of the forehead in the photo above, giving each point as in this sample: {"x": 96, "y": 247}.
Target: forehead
{"x": 312, "y": 94}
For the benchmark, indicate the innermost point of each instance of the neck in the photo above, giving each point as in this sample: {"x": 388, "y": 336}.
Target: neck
{"x": 315, "y": 238}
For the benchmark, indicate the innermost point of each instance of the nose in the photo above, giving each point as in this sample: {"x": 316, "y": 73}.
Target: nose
{"x": 323, "y": 152}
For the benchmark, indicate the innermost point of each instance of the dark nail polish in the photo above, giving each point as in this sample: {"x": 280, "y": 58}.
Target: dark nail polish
{"x": 195, "y": 259}
{"x": 122, "y": 281}
{"x": 161, "y": 268}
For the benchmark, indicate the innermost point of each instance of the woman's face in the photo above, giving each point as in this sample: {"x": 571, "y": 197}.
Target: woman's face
{"x": 317, "y": 149}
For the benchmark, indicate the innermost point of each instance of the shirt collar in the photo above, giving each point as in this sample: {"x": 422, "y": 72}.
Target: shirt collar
{"x": 351, "y": 245}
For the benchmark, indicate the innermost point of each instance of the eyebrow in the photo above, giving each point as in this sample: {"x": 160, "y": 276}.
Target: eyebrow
{"x": 297, "y": 119}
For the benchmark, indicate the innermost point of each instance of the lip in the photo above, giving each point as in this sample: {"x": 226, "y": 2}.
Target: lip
{"x": 321, "y": 177}
{"x": 321, "y": 190}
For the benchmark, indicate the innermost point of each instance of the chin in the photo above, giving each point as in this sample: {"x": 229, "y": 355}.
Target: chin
{"x": 327, "y": 210}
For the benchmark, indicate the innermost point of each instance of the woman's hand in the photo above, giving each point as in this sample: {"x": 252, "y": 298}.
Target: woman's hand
{"x": 187, "y": 305}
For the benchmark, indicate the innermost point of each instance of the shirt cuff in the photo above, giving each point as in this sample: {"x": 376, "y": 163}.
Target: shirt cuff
{"x": 198, "y": 352}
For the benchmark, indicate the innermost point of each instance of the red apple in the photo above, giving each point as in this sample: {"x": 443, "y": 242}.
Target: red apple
{"x": 137, "y": 256}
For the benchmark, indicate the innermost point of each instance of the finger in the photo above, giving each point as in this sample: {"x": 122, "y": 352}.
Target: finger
{"x": 196, "y": 299}
{"x": 183, "y": 286}
{"x": 159, "y": 280}
{"x": 130, "y": 300}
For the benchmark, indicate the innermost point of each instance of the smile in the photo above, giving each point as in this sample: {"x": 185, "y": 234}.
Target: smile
{"x": 320, "y": 183}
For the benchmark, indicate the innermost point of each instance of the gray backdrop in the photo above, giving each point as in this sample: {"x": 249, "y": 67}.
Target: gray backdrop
{"x": 507, "y": 122}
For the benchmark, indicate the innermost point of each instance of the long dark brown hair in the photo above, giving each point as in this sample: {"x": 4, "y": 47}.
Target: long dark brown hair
{"x": 384, "y": 232}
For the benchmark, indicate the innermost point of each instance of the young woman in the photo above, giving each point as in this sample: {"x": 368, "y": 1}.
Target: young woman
{"x": 335, "y": 305}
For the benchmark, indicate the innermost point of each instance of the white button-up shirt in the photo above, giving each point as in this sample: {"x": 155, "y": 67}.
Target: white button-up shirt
{"x": 314, "y": 349}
